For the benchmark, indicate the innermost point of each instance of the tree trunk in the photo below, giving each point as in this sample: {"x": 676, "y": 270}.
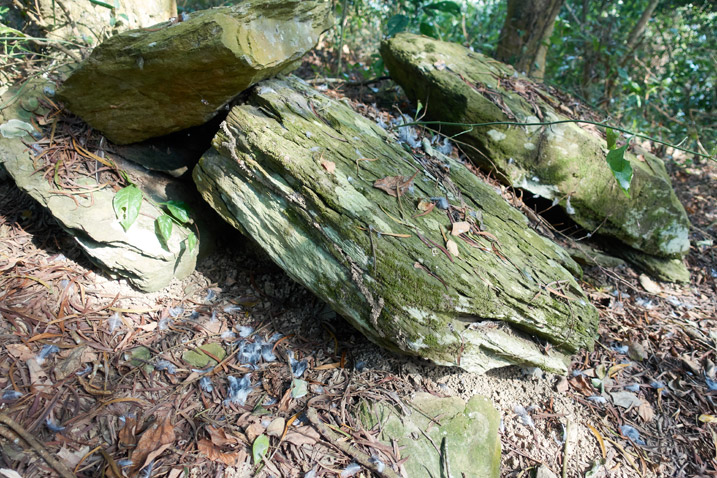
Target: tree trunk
{"x": 525, "y": 35}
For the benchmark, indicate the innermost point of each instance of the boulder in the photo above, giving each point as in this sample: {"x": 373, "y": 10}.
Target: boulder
{"x": 87, "y": 212}
{"x": 338, "y": 204}
{"x": 155, "y": 81}
{"x": 465, "y": 433}
{"x": 86, "y": 22}
{"x": 563, "y": 162}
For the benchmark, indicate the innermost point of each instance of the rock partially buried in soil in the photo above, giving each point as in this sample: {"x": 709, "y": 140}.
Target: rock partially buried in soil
{"x": 136, "y": 254}
{"x": 465, "y": 432}
{"x": 562, "y": 162}
{"x": 155, "y": 81}
{"x": 310, "y": 181}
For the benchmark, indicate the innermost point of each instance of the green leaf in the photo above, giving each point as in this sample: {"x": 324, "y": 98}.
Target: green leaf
{"x": 259, "y": 448}
{"x": 446, "y": 7}
{"x": 621, "y": 168}
{"x": 102, "y": 4}
{"x": 164, "y": 225}
{"x": 126, "y": 203}
{"x": 428, "y": 30}
{"x": 179, "y": 210}
{"x": 612, "y": 137}
{"x": 191, "y": 241}
{"x": 397, "y": 24}
{"x": 298, "y": 388}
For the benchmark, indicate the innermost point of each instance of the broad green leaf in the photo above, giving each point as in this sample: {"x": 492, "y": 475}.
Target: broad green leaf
{"x": 16, "y": 129}
{"x": 621, "y": 168}
{"x": 191, "y": 241}
{"x": 179, "y": 210}
{"x": 298, "y": 388}
{"x": 397, "y": 24}
{"x": 164, "y": 225}
{"x": 447, "y": 7}
{"x": 259, "y": 448}
{"x": 102, "y": 4}
{"x": 612, "y": 137}
{"x": 428, "y": 30}
{"x": 126, "y": 203}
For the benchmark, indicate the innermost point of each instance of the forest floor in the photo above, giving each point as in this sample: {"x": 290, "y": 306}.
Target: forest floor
{"x": 642, "y": 403}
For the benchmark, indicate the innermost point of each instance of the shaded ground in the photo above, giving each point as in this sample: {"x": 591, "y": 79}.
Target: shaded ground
{"x": 639, "y": 405}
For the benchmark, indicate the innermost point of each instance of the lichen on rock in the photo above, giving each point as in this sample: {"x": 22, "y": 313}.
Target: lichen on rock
{"x": 371, "y": 255}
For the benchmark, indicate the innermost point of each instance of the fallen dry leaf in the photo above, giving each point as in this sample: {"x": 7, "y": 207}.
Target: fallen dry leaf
{"x": 460, "y": 227}
{"x": 215, "y": 454}
{"x": 39, "y": 379}
{"x": 305, "y": 435}
{"x": 127, "y": 435}
{"x": 220, "y": 438}
{"x": 392, "y": 184}
{"x": 72, "y": 458}
{"x": 152, "y": 439}
{"x": 329, "y": 166}
{"x": 20, "y": 351}
{"x": 625, "y": 399}
{"x": 646, "y": 412}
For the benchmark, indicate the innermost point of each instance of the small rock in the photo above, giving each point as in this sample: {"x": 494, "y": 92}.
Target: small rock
{"x": 650, "y": 285}
{"x": 544, "y": 472}
{"x": 561, "y": 386}
{"x": 276, "y": 427}
{"x": 636, "y": 351}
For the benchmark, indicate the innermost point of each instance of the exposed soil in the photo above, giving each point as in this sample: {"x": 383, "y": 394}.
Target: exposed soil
{"x": 641, "y": 404}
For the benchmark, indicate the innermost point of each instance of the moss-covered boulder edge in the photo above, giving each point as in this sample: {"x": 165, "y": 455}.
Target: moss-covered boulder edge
{"x": 295, "y": 170}
{"x": 154, "y": 81}
{"x": 563, "y": 162}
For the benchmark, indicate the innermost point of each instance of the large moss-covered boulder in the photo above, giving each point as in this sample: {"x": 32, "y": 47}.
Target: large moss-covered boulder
{"x": 415, "y": 251}
{"x": 155, "y": 81}
{"x": 440, "y": 436}
{"x": 563, "y": 162}
{"x": 86, "y": 211}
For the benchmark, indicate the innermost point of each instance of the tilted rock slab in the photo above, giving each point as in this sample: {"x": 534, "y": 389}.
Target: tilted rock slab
{"x": 137, "y": 254}
{"x": 561, "y": 161}
{"x": 155, "y": 81}
{"x": 295, "y": 170}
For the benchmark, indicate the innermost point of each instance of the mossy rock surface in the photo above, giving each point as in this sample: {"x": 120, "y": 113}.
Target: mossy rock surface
{"x": 295, "y": 170}
{"x": 466, "y": 434}
{"x": 154, "y": 81}
{"x": 563, "y": 162}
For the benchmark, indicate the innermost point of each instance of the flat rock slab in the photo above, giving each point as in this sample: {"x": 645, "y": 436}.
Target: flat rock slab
{"x": 155, "y": 81}
{"x": 136, "y": 254}
{"x": 465, "y": 433}
{"x": 299, "y": 173}
{"x": 563, "y": 162}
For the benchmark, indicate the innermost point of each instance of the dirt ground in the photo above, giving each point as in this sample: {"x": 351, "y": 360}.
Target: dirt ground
{"x": 642, "y": 403}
